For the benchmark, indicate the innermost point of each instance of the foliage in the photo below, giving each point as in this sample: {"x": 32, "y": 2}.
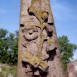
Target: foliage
{"x": 8, "y": 47}
{"x": 67, "y": 50}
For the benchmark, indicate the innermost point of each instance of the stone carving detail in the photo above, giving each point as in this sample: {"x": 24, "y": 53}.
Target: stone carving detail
{"x": 38, "y": 45}
{"x": 37, "y": 54}
{"x": 30, "y": 34}
{"x": 42, "y": 16}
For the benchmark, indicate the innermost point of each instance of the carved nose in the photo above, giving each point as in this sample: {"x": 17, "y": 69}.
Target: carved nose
{"x": 50, "y": 19}
{"x": 30, "y": 32}
{"x": 45, "y": 16}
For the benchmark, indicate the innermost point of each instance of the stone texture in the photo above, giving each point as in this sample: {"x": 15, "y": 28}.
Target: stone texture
{"x": 72, "y": 69}
{"x": 38, "y": 54}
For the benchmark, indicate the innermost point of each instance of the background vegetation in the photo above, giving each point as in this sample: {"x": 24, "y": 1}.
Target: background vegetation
{"x": 8, "y": 47}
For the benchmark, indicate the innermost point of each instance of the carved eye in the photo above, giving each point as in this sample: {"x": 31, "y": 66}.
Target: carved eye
{"x": 21, "y": 25}
{"x": 30, "y": 34}
{"x": 30, "y": 11}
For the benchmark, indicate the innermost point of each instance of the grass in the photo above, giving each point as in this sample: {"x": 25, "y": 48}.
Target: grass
{"x": 6, "y": 70}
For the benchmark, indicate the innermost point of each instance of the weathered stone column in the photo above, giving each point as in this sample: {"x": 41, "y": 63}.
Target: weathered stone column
{"x": 38, "y": 51}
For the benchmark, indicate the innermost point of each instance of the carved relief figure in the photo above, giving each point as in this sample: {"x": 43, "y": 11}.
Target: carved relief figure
{"x": 39, "y": 44}
{"x": 39, "y": 56}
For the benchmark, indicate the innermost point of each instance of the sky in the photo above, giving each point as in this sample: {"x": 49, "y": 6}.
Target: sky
{"x": 64, "y": 13}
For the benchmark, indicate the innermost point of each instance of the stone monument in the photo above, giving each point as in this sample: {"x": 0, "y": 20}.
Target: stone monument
{"x": 72, "y": 69}
{"x": 38, "y": 51}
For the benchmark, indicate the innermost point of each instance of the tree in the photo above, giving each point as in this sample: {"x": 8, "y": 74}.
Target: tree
{"x": 12, "y": 42}
{"x": 67, "y": 50}
{"x": 3, "y": 44}
{"x": 8, "y": 47}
